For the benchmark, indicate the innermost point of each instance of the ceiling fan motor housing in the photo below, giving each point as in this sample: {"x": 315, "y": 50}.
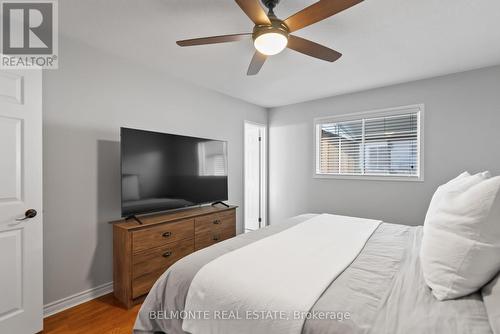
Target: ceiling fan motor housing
{"x": 277, "y": 26}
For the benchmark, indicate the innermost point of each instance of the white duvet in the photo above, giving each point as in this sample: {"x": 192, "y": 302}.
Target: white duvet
{"x": 271, "y": 284}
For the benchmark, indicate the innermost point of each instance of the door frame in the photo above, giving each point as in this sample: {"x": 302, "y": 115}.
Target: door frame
{"x": 263, "y": 170}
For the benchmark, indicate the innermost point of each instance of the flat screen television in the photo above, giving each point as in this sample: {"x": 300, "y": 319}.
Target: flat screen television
{"x": 162, "y": 171}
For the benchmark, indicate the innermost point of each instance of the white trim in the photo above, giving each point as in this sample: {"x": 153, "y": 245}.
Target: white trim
{"x": 369, "y": 177}
{"x": 372, "y": 113}
{"x": 394, "y": 111}
{"x": 76, "y": 299}
{"x": 264, "y": 176}
{"x": 421, "y": 136}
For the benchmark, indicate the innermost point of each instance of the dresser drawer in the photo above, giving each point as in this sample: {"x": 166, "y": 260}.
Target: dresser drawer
{"x": 162, "y": 234}
{"x": 214, "y": 222}
{"x": 148, "y": 265}
{"x": 211, "y": 229}
{"x": 214, "y": 236}
{"x": 160, "y": 258}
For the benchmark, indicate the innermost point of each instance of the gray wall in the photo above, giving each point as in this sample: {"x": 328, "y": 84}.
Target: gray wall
{"x": 462, "y": 121}
{"x": 85, "y": 103}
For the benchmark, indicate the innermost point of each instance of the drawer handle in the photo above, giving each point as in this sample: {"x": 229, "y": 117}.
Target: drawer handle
{"x": 215, "y": 238}
{"x": 217, "y": 222}
{"x": 167, "y": 234}
{"x": 167, "y": 254}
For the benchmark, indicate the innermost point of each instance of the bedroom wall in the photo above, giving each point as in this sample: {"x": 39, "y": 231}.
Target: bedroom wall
{"x": 462, "y": 117}
{"x": 85, "y": 102}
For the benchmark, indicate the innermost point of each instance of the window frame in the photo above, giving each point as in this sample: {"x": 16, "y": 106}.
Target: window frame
{"x": 395, "y": 111}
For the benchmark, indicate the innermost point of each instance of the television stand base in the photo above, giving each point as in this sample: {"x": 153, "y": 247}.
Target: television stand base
{"x": 134, "y": 217}
{"x": 220, "y": 202}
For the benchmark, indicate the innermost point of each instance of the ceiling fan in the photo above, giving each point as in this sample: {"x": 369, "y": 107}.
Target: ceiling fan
{"x": 272, "y": 35}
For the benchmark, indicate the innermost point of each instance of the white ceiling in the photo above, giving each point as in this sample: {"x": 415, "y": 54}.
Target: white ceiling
{"x": 383, "y": 42}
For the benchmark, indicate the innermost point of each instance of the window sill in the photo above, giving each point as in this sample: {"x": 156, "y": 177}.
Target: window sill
{"x": 370, "y": 177}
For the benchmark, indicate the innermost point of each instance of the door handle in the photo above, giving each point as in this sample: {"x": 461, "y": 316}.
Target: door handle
{"x": 31, "y": 213}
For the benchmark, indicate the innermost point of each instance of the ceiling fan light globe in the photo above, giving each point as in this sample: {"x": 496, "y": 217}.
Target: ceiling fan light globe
{"x": 271, "y": 43}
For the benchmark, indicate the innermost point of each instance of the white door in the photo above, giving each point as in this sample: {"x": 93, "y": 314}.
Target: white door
{"x": 21, "y": 301}
{"x": 255, "y": 176}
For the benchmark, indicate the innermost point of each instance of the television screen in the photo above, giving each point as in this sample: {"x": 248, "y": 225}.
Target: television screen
{"x": 164, "y": 171}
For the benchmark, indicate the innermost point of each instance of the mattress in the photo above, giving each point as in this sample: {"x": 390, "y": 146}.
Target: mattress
{"x": 382, "y": 291}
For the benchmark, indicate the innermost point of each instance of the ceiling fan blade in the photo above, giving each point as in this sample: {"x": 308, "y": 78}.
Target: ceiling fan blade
{"x": 256, "y": 64}
{"x": 213, "y": 39}
{"x": 312, "y": 49}
{"x": 317, "y": 12}
{"x": 254, "y": 11}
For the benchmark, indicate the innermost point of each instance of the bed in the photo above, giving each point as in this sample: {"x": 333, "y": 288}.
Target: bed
{"x": 381, "y": 291}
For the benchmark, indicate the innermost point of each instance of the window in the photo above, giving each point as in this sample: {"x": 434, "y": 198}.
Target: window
{"x": 383, "y": 144}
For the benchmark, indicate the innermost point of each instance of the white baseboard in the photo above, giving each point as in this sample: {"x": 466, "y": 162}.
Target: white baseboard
{"x": 76, "y": 299}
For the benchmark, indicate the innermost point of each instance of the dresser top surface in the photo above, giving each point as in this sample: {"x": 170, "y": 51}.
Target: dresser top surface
{"x": 166, "y": 217}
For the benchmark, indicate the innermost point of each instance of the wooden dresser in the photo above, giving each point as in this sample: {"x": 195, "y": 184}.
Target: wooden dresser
{"x": 142, "y": 252}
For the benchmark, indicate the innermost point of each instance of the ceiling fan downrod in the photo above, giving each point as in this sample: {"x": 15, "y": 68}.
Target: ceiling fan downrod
{"x": 270, "y": 4}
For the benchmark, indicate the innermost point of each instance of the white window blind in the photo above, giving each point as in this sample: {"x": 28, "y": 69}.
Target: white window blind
{"x": 374, "y": 144}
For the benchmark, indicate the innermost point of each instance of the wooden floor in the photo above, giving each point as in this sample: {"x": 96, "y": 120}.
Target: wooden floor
{"x": 103, "y": 315}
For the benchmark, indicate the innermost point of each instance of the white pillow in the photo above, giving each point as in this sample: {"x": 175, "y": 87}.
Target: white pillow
{"x": 461, "y": 243}
{"x": 491, "y": 297}
{"x": 439, "y": 195}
